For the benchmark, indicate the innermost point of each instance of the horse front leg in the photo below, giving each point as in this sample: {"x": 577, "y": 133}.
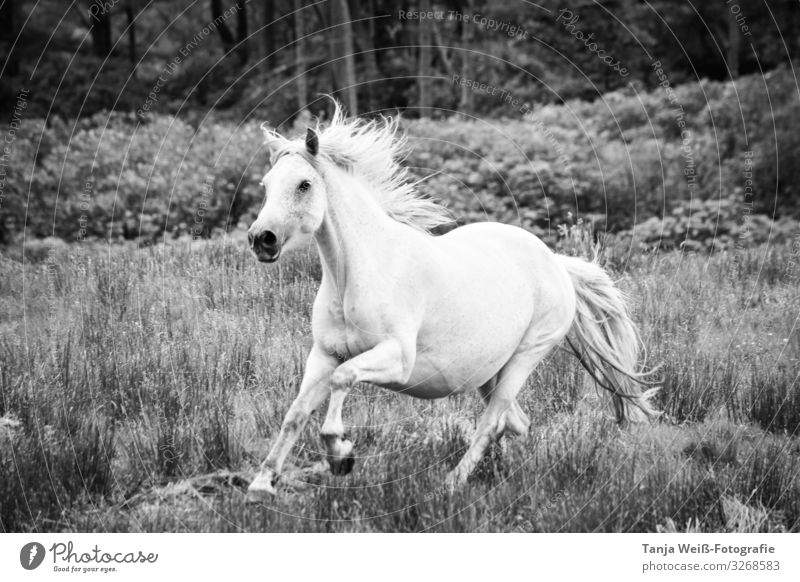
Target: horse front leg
{"x": 313, "y": 391}
{"x": 340, "y": 448}
{"x": 387, "y": 363}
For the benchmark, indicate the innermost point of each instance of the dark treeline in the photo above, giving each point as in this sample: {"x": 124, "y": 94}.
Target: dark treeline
{"x": 274, "y": 57}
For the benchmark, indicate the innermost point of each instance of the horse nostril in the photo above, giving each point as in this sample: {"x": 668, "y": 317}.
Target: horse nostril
{"x": 268, "y": 238}
{"x": 265, "y": 241}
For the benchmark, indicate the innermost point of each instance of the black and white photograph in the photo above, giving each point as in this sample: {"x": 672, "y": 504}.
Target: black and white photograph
{"x": 389, "y": 267}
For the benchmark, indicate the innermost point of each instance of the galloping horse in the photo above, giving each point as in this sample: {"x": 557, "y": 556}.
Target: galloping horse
{"x": 429, "y": 316}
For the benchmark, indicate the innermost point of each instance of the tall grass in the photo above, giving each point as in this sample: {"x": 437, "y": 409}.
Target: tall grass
{"x": 126, "y": 373}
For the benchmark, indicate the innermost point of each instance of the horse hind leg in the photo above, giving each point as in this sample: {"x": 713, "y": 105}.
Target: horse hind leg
{"x": 517, "y": 422}
{"x": 503, "y": 412}
{"x": 499, "y": 414}
{"x": 486, "y": 390}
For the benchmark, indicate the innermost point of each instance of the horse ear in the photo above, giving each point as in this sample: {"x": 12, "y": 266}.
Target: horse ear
{"x": 312, "y": 142}
{"x": 272, "y": 139}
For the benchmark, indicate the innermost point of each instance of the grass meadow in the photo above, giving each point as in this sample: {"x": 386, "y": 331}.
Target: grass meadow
{"x": 141, "y": 388}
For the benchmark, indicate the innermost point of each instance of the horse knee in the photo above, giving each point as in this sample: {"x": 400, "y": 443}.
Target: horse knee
{"x": 342, "y": 378}
{"x": 512, "y": 419}
{"x": 516, "y": 419}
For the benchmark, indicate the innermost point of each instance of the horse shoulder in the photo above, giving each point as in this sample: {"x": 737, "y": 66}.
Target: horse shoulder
{"x": 328, "y": 322}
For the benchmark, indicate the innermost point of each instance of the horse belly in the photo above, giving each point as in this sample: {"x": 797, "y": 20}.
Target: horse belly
{"x": 435, "y": 378}
{"x": 485, "y": 307}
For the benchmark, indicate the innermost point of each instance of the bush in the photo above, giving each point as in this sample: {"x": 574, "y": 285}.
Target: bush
{"x": 116, "y": 178}
{"x": 619, "y": 162}
{"x": 710, "y": 225}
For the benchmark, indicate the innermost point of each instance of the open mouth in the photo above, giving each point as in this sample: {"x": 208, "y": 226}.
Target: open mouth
{"x": 265, "y": 258}
{"x": 266, "y": 249}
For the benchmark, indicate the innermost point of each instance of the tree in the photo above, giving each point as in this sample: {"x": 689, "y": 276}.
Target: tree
{"x": 129, "y": 10}
{"x": 100, "y": 26}
{"x": 243, "y": 49}
{"x": 9, "y": 30}
{"x": 299, "y": 57}
{"x": 365, "y": 41}
{"x": 341, "y": 43}
{"x": 424, "y": 62}
{"x": 224, "y": 32}
{"x": 465, "y": 100}
{"x": 269, "y": 35}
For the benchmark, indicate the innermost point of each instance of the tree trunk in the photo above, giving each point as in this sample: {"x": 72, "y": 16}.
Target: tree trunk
{"x": 100, "y": 19}
{"x": 241, "y": 32}
{"x": 341, "y": 41}
{"x": 9, "y": 30}
{"x": 424, "y": 63}
{"x": 734, "y": 43}
{"x": 224, "y": 32}
{"x": 268, "y": 36}
{"x": 365, "y": 43}
{"x": 465, "y": 103}
{"x": 299, "y": 58}
{"x": 129, "y": 9}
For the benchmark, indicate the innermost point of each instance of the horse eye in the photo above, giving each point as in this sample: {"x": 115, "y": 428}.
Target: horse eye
{"x": 304, "y": 186}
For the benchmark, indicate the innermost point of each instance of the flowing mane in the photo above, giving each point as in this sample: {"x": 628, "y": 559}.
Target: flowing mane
{"x": 374, "y": 150}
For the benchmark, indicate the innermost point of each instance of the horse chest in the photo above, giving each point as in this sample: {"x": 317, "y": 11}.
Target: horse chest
{"x": 345, "y": 329}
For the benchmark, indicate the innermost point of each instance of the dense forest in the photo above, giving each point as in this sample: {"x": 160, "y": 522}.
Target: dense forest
{"x": 128, "y": 119}
{"x": 274, "y": 57}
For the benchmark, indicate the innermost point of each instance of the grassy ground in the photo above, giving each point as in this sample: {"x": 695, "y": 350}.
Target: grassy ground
{"x": 141, "y": 387}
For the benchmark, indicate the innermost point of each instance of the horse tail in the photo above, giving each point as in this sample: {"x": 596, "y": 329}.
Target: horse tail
{"x": 606, "y": 342}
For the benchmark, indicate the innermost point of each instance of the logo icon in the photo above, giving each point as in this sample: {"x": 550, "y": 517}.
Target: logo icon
{"x": 31, "y": 555}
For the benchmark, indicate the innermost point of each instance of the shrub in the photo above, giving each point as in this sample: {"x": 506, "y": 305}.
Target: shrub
{"x": 621, "y": 158}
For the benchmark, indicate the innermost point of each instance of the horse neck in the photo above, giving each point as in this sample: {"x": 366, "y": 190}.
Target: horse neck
{"x": 355, "y": 233}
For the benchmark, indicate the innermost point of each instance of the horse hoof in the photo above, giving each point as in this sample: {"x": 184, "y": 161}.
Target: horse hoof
{"x": 262, "y": 488}
{"x": 342, "y": 466}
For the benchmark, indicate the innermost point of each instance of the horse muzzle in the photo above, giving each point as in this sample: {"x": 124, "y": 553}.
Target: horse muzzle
{"x": 266, "y": 245}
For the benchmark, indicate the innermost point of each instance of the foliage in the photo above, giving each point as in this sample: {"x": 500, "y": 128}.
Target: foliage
{"x": 710, "y": 225}
{"x": 529, "y": 52}
{"x": 620, "y": 164}
{"x": 116, "y": 178}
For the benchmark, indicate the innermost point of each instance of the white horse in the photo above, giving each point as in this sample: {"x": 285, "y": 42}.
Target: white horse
{"x": 429, "y": 316}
